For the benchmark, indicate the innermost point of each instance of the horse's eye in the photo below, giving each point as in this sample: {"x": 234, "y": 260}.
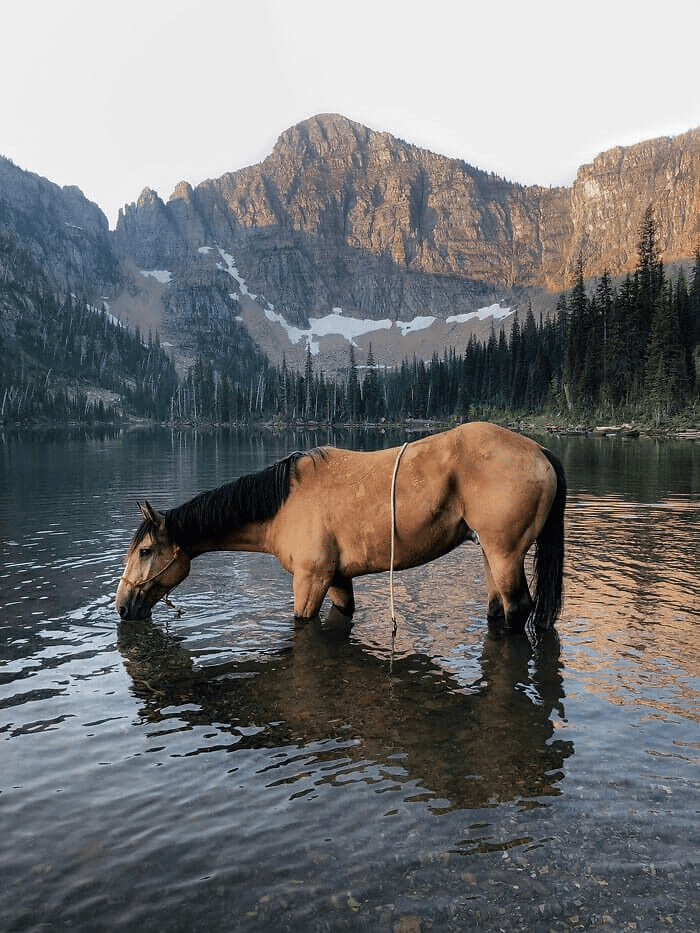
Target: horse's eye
{"x": 145, "y": 552}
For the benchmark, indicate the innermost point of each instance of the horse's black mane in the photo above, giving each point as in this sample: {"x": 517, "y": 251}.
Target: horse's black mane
{"x": 253, "y": 498}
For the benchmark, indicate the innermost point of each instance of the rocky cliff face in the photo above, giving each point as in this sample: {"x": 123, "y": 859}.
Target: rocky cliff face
{"x": 609, "y": 197}
{"x": 340, "y": 216}
{"x": 67, "y": 235}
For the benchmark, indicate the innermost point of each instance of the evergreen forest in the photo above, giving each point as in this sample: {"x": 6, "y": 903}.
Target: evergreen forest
{"x": 614, "y": 351}
{"x": 62, "y": 360}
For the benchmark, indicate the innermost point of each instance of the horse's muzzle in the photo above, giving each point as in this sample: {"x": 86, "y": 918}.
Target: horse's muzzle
{"x": 128, "y": 614}
{"x": 133, "y": 605}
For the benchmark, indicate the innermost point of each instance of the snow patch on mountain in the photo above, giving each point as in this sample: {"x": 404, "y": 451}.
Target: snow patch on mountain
{"x": 495, "y": 311}
{"x": 160, "y": 275}
{"x": 338, "y": 324}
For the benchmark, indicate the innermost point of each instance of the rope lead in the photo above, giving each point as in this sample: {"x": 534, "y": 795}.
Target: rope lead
{"x": 393, "y": 534}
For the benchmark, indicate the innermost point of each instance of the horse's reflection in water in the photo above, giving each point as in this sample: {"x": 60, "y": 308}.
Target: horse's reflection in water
{"x": 466, "y": 746}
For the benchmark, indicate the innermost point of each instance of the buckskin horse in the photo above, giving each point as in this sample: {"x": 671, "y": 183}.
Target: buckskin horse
{"x": 330, "y": 515}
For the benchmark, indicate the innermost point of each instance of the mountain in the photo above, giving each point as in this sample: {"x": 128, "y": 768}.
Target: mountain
{"x": 61, "y": 356}
{"x": 342, "y": 234}
{"x": 609, "y": 197}
{"x": 341, "y": 224}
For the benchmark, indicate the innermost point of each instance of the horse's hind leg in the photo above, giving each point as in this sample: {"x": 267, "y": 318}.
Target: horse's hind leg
{"x": 495, "y": 611}
{"x": 509, "y": 598}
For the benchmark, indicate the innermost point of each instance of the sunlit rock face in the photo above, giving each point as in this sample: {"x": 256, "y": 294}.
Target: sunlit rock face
{"x": 609, "y": 197}
{"x": 340, "y": 219}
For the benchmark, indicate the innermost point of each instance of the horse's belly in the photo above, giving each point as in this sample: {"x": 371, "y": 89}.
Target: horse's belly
{"x": 371, "y": 552}
{"x": 420, "y": 549}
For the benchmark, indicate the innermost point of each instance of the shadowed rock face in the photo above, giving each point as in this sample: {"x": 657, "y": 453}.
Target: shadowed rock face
{"x": 66, "y": 235}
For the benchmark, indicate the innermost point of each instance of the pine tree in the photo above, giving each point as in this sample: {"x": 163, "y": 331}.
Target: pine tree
{"x": 517, "y": 368}
{"x": 308, "y": 384}
{"x": 693, "y": 325}
{"x": 651, "y": 283}
{"x": 371, "y": 390}
{"x": 604, "y": 301}
{"x": 576, "y": 377}
{"x": 284, "y": 388}
{"x": 353, "y": 392}
{"x": 665, "y": 367}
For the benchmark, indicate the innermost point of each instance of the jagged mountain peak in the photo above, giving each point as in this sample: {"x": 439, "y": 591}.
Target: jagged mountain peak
{"x": 149, "y": 198}
{"x": 332, "y": 136}
{"x": 183, "y": 191}
{"x": 66, "y": 233}
{"x": 322, "y": 133}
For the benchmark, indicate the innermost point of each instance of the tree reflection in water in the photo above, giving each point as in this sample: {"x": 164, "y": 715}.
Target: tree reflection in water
{"x": 407, "y": 720}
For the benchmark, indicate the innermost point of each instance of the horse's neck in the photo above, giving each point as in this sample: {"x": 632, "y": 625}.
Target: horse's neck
{"x": 250, "y": 537}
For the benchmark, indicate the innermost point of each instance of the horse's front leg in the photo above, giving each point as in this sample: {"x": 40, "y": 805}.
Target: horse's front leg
{"x": 309, "y": 590}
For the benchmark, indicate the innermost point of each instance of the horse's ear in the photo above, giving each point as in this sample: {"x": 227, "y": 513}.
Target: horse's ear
{"x": 150, "y": 513}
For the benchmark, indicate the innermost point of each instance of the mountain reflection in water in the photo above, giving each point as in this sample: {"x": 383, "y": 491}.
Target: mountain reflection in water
{"x": 467, "y": 747}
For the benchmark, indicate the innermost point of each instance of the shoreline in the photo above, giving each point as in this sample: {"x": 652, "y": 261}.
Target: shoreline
{"x": 535, "y": 424}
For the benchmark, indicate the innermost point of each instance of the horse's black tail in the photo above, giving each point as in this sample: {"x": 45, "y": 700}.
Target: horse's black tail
{"x": 549, "y": 556}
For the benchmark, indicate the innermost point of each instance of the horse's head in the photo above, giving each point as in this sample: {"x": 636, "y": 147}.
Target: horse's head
{"x": 154, "y": 565}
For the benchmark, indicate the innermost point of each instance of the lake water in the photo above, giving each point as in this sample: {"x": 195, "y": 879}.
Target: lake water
{"x": 226, "y": 770}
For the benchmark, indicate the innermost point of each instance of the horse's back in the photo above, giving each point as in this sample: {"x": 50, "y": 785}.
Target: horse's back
{"x": 478, "y": 467}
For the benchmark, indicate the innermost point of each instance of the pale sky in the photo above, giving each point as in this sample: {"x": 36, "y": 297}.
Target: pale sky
{"x": 117, "y": 95}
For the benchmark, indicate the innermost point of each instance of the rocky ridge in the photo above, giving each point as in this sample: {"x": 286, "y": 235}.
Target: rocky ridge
{"x": 343, "y": 223}
{"x": 609, "y": 197}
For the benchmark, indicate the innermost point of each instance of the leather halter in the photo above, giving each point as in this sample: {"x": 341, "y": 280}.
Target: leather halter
{"x": 154, "y": 576}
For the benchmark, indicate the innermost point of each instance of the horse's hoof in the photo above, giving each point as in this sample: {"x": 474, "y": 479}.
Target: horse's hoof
{"x": 338, "y": 622}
